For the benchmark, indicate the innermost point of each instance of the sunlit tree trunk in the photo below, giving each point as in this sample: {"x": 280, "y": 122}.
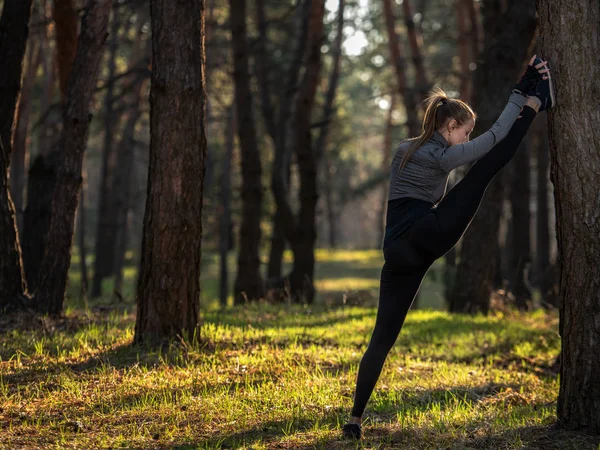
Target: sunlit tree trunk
{"x": 56, "y": 261}
{"x": 570, "y": 40}
{"x": 225, "y": 229}
{"x": 168, "y": 290}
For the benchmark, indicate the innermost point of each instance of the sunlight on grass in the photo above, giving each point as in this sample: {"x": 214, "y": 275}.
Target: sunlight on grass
{"x": 271, "y": 377}
{"x": 341, "y": 284}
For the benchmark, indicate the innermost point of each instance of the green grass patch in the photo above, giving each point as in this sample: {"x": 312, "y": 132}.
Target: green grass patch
{"x": 281, "y": 377}
{"x": 266, "y": 377}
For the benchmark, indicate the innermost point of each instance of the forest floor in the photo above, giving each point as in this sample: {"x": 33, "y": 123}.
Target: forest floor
{"x": 282, "y": 377}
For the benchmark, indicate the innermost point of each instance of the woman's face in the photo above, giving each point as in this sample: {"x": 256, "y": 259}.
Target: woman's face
{"x": 459, "y": 134}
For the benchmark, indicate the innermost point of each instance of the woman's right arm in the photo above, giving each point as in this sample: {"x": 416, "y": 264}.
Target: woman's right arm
{"x": 457, "y": 155}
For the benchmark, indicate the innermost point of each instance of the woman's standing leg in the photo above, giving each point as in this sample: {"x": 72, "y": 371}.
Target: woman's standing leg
{"x": 401, "y": 277}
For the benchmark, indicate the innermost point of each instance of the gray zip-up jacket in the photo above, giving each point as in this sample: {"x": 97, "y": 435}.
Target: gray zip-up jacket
{"x": 425, "y": 175}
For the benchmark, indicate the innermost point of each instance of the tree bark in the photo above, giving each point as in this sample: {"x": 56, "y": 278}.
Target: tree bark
{"x": 105, "y": 233}
{"x": 43, "y": 171}
{"x": 76, "y": 119}
{"x": 406, "y": 94}
{"x": 14, "y": 31}
{"x": 520, "y": 198}
{"x": 21, "y": 138}
{"x": 503, "y": 58}
{"x": 249, "y": 284}
{"x": 65, "y": 20}
{"x": 168, "y": 291}
{"x": 570, "y": 39}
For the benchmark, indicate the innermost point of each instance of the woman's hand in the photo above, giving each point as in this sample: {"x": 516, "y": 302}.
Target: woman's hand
{"x": 532, "y": 76}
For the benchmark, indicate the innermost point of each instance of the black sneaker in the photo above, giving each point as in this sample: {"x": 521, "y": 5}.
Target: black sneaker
{"x": 353, "y": 431}
{"x": 545, "y": 90}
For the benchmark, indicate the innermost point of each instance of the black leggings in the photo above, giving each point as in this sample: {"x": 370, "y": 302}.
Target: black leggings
{"x": 408, "y": 257}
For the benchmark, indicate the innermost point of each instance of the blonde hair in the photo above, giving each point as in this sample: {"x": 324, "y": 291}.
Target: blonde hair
{"x": 439, "y": 110}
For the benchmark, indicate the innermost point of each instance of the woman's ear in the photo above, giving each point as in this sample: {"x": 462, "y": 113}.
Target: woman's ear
{"x": 452, "y": 124}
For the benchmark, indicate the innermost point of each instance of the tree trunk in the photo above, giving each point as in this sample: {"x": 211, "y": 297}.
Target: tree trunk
{"x": 520, "y": 198}
{"x": 570, "y": 39}
{"x": 464, "y": 55}
{"x": 21, "y": 138}
{"x": 65, "y": 20}
{"x": 14, "y": 31}
{"x": 284, "y": 217}
{"x": 499, "y": 66}
{"x": 43, "y": 172}
{"x": 76, "y": 119}
{"x": 168, "y": 291}
{"x": 249, "y": 284}
{"x": 406, "y": 94}
{"x": 105, "y": 233}
{"x": 225, "y": 232}
{"x": 546, "y": 272}
{"x": 415, "y": 40}
{"x": 303, "y": 239}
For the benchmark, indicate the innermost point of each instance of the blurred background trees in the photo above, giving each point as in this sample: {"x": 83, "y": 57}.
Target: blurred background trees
{"x": 306, "y": 102}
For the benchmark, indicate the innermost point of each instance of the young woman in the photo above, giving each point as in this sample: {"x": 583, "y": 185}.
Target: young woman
{"x": 422, "y": 222}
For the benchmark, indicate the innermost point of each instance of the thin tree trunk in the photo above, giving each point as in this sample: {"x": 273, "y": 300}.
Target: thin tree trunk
{"x": 168, "y": 291}
{"x": 225, "y": 232}
{"x": 304, "y": 237}
{"x": 249, "y": 284}
{"x": 284, "y": 217}
{"x": 14, "y": 31}
{"x": 570, "y": 39}
{"x": 415, "y": 40}
{"x": 21, "y": 140}
{"x": 105, "y": 233}
{"x": 80, "y": 89}
{"x": 520, "y": 199}
{"x": 43, "y": 171}
{"x": 406, "y": 94}
{"x": 463, "y": 50}
{"x": 328, "y": 107}
{"x": 500, "y": 63}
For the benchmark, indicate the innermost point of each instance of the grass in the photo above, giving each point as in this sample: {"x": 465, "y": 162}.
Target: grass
{"x": 279, "y": 377}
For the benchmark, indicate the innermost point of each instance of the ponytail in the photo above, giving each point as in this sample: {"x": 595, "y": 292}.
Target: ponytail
{"x": 439, "y": 109}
